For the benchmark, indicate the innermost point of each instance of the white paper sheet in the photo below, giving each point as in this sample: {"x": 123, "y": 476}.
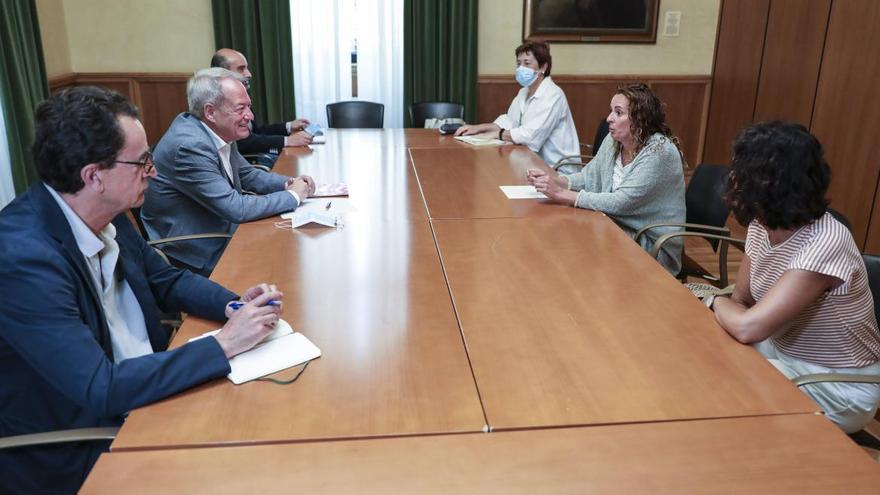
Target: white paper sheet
{"x": 282, "y": 349}
{"x": 522, "y": 192}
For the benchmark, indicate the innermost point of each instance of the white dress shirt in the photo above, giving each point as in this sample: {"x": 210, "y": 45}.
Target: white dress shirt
{"x": 125, "y": 319}
{"x": 225, "y": 151}
{"x": 542, "y": 122}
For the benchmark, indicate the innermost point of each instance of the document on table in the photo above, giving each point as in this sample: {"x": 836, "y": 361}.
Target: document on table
{"x": 480, "y": 141}
{"x": 522, "y": 192}
{"x": 329, "y": 190}
{"x": 282, "y": 349}
{"x": 318, "y": 211}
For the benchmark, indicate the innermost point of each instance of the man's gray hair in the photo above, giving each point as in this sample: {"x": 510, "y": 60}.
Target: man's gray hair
{"x": 206, "y": 86}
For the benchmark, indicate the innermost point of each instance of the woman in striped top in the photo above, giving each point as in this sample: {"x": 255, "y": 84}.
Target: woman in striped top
{"x": 802, "y": 296}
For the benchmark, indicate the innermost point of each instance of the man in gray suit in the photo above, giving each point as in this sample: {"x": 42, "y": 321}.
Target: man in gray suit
{"x": 201, "y": 174}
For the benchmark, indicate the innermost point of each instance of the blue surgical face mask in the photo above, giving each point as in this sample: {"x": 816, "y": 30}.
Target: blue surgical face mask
{"x": 525, "y": 76}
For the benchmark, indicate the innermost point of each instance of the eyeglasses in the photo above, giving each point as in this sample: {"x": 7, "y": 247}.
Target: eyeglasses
{"x": 146, "y": 163}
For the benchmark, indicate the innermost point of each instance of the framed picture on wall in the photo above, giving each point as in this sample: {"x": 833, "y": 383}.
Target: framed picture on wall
{"x": 591, "y": 21}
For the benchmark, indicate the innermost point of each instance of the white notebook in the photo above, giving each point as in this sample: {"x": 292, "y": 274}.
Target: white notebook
{"x": 282, "y": 349}
{"x": 480, "y": 141}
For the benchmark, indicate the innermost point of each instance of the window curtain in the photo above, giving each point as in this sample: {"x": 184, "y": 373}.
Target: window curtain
{"x": 23, "y": 84}
{"x": 260, "y": 29}
{"x": 380, "y": 56}
{"x": 440, "y": 53}
{"x": 324, "y": 34}
{"x": 7, "y": 190}
{"x": 322, "y": 37}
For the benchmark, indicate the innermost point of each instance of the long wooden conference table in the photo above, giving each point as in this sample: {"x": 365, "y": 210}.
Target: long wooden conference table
{"x": 476, "y": 343}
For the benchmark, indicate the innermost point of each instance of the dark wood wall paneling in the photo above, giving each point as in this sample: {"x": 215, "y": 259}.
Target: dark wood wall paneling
{"x": 588, "y": 97}
{"x": 738, "y": 52}
{"x": 792, "y": 57}
{"x": 846, "y": 117}
{"x": 813, "y": 62}
{"x": 159, "y": 96}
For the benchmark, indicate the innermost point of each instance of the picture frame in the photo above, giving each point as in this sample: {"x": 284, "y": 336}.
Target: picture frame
{"x": 591, "y": 21}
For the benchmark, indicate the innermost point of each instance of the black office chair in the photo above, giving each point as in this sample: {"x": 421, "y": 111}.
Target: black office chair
{"x": 419, "y": 112}
{"x": 355, "y": 115}
{"x": 840, "y": 217}
{"x": 591, "y": 149}
{"x": 263, "y": 161}
{"x": 705, "y": 218}
{"x": 134, "y": 215}
{"x": 872, "y": 264}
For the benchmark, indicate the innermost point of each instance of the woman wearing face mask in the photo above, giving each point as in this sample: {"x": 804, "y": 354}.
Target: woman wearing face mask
{"x": 539, "y": 116}
{"x": 636, "y": 177}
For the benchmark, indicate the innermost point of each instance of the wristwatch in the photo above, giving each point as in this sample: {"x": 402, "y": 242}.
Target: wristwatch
{"x": 501, "y": 134}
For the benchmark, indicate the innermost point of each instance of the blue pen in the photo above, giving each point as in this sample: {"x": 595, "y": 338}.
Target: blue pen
{"x": 237, "y": 305}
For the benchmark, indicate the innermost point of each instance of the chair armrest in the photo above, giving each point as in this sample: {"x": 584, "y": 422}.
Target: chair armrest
{"x": 720, "y": 230}
{"x": 60, "y": 436}
{"x": 190, "y": 237}
{"x": 581, "y": 160}
{"x": 834, "y": 377}
{"x": 155, "y": 244}
{"x": 725, "y": 240}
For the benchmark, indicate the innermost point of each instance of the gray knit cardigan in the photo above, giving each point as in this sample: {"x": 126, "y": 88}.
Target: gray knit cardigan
{"x": 652, "y": 192}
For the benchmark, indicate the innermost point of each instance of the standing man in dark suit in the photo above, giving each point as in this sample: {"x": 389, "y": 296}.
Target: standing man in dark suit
{"x": 202, "y": 176}
{"x": 80, "y": 339}
{"x": 268, "y": 138}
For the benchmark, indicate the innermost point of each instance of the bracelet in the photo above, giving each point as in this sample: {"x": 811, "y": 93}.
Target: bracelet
{"x": 501, "y": 134}
{"x": 709, "y": 300}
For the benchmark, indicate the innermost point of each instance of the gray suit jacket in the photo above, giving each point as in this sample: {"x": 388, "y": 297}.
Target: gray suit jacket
{"x": 192, "y": 193}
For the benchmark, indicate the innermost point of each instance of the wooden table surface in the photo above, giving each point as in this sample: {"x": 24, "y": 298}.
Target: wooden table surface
{"x": 791, "y": 454}
{"x": 463, "y": 182}
{"x": 373, "y": 298}
{"x": 444, "y": 310}
{"x": 373, "y": 163}
{"x": 567, "y": 322}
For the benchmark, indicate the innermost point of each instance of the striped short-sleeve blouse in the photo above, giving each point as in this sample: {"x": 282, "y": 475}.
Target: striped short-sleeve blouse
{"x": 838, "y": 330}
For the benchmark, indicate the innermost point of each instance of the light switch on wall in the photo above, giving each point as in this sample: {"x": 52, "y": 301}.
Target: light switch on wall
{"x": 672, "y": 23}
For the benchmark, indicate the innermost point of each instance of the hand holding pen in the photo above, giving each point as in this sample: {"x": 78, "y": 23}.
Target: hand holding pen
{"x": 255, "y": 318}
{"x": 253, "y": 294}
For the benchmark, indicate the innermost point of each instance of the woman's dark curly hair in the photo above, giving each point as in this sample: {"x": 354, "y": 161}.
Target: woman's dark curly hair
{"x": 646, "y": 115}
{"x": 778, "y": 177}
{"x": 75, "y": 127}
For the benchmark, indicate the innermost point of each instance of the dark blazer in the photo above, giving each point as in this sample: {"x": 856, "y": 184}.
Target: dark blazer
{"x": 56, "y": 359}
{"x": 192, "y": 193}
{"x": 268, "y": 138}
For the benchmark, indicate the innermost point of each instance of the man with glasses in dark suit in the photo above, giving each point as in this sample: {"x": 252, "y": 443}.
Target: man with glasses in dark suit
{"x": 80, "y": 340}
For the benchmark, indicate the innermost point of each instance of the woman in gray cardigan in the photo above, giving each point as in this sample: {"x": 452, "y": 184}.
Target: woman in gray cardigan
{"x": 636, "y": 177}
